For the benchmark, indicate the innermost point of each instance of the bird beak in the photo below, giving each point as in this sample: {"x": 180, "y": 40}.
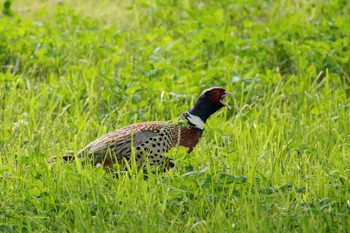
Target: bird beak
{"x": 222, "y": 100}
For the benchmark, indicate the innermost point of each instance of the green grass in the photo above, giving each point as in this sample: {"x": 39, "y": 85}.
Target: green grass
{"x": 278, "y": 162}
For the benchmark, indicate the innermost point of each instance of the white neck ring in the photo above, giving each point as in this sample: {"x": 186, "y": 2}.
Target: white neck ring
{"x": 195, "y": 120}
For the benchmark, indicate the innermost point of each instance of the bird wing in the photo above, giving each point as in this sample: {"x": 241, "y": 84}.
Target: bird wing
{"x": 116, "y": 145}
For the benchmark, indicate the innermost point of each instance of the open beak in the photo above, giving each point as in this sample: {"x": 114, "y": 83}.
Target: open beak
{"x": 222, "y": 100}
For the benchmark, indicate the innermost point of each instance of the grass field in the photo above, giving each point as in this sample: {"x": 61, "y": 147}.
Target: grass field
{"x": 279, "y": 161}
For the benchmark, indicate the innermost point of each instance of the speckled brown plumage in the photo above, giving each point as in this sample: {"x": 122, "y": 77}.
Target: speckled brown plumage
{"x": 151, "y": 140}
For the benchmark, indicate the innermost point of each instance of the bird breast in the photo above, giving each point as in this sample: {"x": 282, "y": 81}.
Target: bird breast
{"x": 189, "y": 137}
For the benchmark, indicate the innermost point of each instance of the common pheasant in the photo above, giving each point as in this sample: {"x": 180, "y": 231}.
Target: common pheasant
{"x": 152, "y": 140}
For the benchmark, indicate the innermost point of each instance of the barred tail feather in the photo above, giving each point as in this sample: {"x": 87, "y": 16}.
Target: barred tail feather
{"x": 67, "y": 158}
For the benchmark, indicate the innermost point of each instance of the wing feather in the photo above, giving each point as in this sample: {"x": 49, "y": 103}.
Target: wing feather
{"x": 116, "y": 145}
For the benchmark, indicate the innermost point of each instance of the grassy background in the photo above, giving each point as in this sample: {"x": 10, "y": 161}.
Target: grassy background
{"x": 278, "y": 162}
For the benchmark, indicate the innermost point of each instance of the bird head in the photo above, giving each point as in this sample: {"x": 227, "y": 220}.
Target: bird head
{"x": 210, "y": 101}
{"x": 216, "y": 97}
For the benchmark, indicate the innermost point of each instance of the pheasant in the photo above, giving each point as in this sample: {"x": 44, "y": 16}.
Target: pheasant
{"x": 152, "y": 140}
